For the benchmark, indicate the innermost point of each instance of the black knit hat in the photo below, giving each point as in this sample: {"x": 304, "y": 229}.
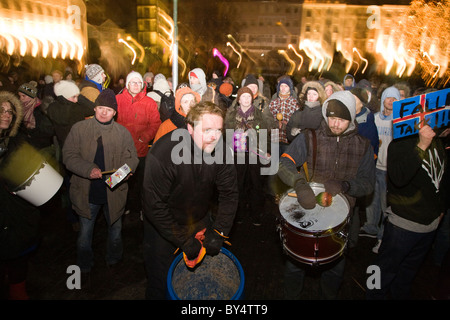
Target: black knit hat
{"x": 336, "y": 108}
{"x": 107, "y": 98}
{"x": 361, "y": 94}
{"x": 250, "y": 79}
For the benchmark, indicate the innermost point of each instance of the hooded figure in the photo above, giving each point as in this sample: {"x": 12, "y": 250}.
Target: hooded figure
{"x": 19, "y": 220}
{"x": 282, "y": 108}
{"x": 309, "y": 116}
{"x": 383, "y": 121}
{"x": 340, "y": 159}
{"x": 11, "y": 131}
{"x": 330, "y": 87}
{"x": 197, "y": 82}
{"x": 372, "y": 102}
{"x": 160, "y": 85}
{"x": 345, "y": 110}
{"x": 349, "y": 82}
{"x": 378, "y": 206}
{"x": 285, "y": 80}
{"x": 177, "y": 119}
{"x": 390, "y": 92}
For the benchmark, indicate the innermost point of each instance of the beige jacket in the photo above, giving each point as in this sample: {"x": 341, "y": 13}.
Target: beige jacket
{"x": 78, "y": 156}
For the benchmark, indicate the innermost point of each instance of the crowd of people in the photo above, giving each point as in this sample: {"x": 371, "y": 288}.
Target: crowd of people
{"x": 336, "y": 133}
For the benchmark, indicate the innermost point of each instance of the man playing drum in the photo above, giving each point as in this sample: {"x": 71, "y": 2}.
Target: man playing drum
{"x": 340, "y": 159}
{"x": 184, "y": 173}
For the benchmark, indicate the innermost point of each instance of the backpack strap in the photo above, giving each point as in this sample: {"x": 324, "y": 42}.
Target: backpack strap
{"x": 314, "y": 149}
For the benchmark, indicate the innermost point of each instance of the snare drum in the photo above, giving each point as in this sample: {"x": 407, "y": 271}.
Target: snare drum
{"x": 315, "y": 236}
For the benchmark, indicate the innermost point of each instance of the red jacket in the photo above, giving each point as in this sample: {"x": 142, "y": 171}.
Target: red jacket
{"x": 140, "y": 116}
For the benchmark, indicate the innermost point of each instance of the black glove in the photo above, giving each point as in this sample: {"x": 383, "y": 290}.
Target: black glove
{"x": 336, "y": 186}
{"x": 191, "y": 248}
{"x": 305, "y": 196}
{"x": 213, "y": 242}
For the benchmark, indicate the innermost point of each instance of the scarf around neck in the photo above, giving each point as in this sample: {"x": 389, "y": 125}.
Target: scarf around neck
{"x": 245, "y": 119}
{"x": 28, "y": 116}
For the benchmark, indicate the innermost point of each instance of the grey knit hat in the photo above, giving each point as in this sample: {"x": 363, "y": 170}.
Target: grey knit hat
{"x": 92, "y": 70}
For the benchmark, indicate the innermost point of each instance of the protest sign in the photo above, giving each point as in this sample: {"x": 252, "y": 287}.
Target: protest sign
{"x": 410, "y": 114}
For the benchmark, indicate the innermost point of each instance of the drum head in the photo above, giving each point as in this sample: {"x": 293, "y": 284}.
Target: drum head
{"x": 317, "y": 219}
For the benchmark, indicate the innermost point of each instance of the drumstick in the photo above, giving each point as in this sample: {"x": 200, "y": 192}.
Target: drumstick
{"x": 108, "y": 171}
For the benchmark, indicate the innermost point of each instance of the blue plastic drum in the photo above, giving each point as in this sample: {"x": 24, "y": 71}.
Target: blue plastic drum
{"x": 219, "y": 277}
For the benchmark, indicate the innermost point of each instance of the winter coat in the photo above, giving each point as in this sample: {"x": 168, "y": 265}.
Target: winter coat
{"x": 19, "y": 220}
{"x": 140, "y": 116}
{"x": 90, "y": 89}
{"x": 415, "y": 180}
{"x": 368, "y": 129}
{"x": 260, "y": 102}
{"x": 347, "y": 157}
{"x": 162, "y": 86}
{"x": 41, "y": 136}
{"x": 64, "y": 114}
{"x": 262, "y": 120}
{"x": 19, "y": 225}
{"x": 78, "y": 156}
{"x": 177, "y": 196}
{"x": 309, "y": 117}
{"x": 314, "y": 85}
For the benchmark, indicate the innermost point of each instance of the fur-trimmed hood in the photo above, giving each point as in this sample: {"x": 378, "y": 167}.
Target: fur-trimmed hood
{"x": 17, "y": 106}
{"x": 318, "y": 87}
{"x": 180, "y": 93}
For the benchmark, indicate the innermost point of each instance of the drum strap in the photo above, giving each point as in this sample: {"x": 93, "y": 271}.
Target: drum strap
{"x": 314, "y": 149}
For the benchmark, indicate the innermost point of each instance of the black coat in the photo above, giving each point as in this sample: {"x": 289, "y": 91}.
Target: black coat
{"x": 177, "y": 196}
{"x": 64, "y": 114}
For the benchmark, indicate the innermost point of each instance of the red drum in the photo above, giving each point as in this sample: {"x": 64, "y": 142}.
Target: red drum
{"x": 316, "y": 236}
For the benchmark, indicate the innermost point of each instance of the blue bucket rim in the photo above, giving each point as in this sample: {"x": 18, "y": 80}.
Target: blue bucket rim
{"x": 239, "y": 291}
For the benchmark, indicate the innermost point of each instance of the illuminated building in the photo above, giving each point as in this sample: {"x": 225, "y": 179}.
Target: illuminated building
{"x": 155, "y": 26}
{"x": 328, "y": 27}
{"x": 51, "y": 29}
{"x": 262, "y": 26}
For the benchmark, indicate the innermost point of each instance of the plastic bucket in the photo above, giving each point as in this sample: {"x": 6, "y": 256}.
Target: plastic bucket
{"x": 28, "y": 175}
{"x": 216, "y": 278}
{"x": 41, "y": 186}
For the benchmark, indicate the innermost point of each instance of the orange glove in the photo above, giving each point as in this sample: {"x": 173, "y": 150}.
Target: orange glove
{"x": 200, "y": 236}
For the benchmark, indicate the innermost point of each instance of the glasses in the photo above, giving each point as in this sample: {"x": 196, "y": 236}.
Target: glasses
{"x": 134, "y": 83}
{"x": 10, "y": 112}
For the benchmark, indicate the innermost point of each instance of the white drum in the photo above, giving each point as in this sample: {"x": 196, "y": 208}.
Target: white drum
{"x": 315, "y": 236}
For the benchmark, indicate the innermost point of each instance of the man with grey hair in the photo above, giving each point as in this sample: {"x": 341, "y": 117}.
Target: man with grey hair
{"x": 340, "y": 159}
